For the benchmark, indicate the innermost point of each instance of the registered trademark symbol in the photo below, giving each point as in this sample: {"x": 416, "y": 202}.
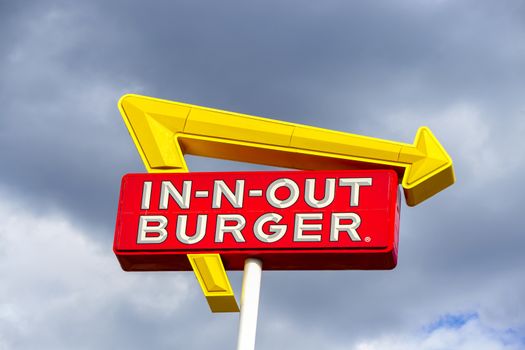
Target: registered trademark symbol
{"x": 367, "y": 239}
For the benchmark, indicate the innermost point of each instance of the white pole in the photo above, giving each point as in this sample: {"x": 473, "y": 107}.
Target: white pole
{"x": 251, "y": 285}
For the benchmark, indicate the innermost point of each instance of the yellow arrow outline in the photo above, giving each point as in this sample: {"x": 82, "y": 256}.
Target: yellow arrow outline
{"x": 163, "y": 131}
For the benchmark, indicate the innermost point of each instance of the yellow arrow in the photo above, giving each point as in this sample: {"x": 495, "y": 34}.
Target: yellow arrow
{"x": 164, "y": 131}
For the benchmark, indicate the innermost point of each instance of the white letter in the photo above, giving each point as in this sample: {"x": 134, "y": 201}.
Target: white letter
{"x": 329, "y": 193}
{"x": 199, "y": 231}
{"x": 146, "y": 195}
{"x": 354, "y": 184}
{"x": 167, "y": 190}
{"x": 220, "y": 188}
{"x": 285, "y": 203}
{"x": 300, "y": 226}
{"x": 144, "y": 229}
{"x": 277, "y": 231}
{"x": 234, "y": 230}
{"x": 351, "y": 229}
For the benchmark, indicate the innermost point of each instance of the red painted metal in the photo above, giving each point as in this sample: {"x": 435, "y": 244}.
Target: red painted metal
{"x": 377, "y": 208}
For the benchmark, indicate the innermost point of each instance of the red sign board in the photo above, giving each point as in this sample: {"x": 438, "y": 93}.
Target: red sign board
{"x": 291, "y": 220}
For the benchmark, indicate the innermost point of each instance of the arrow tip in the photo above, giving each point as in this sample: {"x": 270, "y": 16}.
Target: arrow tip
{"x": 430, "y": 174}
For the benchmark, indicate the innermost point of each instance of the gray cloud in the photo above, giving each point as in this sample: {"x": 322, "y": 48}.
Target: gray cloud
{"x": 330, "y": 66}
{"x": 380, "y": 69}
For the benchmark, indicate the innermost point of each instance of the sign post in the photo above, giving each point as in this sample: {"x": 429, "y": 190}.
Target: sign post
{"x": 251, "y": 286}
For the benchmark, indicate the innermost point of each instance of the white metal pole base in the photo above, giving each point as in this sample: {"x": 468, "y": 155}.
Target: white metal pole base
{"x": 251, "y": 286}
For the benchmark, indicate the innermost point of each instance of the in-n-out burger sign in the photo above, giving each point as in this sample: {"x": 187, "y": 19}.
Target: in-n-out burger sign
{"x": 174, "y": 220}
{"x": 290, "y": 219}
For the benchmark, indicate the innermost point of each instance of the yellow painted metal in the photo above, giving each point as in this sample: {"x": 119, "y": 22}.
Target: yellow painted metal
{"x": 214, "y": 282}
{"x": 164, "y": 131}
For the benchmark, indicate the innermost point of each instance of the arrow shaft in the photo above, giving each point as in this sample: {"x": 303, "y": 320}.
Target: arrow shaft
{"x": 284, "y": 157}
{"x": 266, "y": 132}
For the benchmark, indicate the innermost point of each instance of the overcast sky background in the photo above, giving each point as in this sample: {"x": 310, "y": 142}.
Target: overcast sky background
{"x": 380, "y": 68}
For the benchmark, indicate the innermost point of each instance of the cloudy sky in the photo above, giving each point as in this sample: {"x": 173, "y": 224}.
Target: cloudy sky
{"x": 379, "y": 68}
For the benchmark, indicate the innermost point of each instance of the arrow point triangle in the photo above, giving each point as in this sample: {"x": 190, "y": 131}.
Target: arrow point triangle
{"x": 434, "y": 158}
{"x": 431, "y": 174}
